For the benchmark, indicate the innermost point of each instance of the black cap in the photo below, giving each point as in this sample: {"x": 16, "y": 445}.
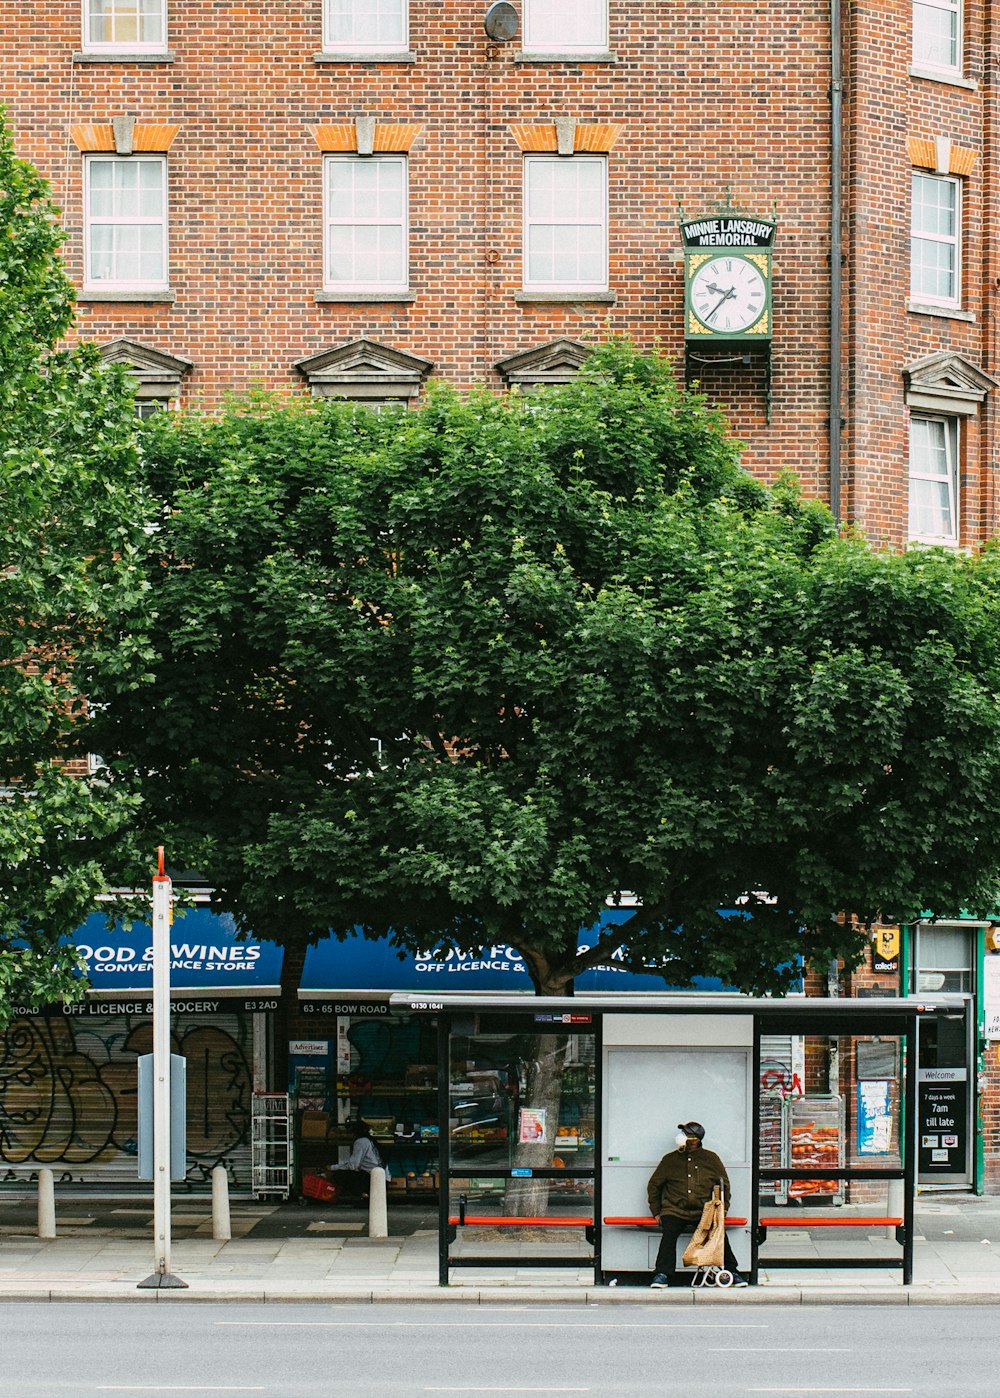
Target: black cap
{"x": 692, "y": 1128}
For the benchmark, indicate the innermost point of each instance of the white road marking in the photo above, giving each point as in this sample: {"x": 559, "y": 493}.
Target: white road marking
{"x": 829, "y": 1390}
{"x": 175, "y": 1388}
{"x": 494, "y": 1325}
{"x": 776, "y": 1349}
{"x": 479, "y": 1389}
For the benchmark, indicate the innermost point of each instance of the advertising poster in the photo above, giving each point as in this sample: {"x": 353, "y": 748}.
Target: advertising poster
{"x": 531, "y": 1125}
{"x": 991, "y": 996}
{"x": 874, "y": 1117}
{"x": 941, "y": 1122}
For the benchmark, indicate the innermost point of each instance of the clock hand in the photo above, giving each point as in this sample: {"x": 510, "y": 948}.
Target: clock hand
{"x": 726, "y": 296}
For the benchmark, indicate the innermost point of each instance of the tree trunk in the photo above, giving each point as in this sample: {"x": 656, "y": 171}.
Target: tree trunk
{"x": 543, "y": 1094}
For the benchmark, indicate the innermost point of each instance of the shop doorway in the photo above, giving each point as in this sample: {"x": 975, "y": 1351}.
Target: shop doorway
{"x": 944, "y": 961}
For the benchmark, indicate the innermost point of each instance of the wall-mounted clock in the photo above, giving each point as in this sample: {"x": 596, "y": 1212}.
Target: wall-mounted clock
{"x": 728, "y": 295}
{"x": 727, "y": 278}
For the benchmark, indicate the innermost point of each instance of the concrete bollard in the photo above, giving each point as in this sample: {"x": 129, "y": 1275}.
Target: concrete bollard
{"x": 895, "y": 1209}
{"x": 46, "y": 1204}
{"x": 378, "y": 1216}
{"x": 221, "y": 1227}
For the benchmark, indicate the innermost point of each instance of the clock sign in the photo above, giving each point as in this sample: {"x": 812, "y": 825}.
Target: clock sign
{"x": 727, "y": 278}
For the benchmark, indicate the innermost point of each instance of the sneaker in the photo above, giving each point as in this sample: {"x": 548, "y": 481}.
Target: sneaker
{"x": 739, "y": 1280}
{"x": 660, "y": 1281}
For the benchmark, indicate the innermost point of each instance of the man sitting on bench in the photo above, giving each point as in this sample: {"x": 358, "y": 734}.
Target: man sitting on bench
{"x": 678, "y": 1189}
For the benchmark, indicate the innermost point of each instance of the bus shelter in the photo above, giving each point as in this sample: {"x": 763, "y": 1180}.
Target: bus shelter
{"x": 553, "y": 1113}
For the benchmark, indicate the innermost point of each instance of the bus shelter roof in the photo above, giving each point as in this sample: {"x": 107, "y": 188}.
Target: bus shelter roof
{"x": 806, "y": 1014}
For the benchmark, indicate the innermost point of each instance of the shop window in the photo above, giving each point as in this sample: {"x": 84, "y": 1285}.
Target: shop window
{"x": 379, "y": 1070}
{"x": 935, "y": 236}
{"x": 937, "y": 36}
{"x": 565, "y": 26}
{"x": 934, "y": 504}
{"x": 139, "y": 26}
{"x": 366, "y": 223}
{"x": 943, "y": 959}
{"x": 565, "y": 223}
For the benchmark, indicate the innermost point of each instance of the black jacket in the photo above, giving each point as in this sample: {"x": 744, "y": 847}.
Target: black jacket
{"x": 682, "y": 1183}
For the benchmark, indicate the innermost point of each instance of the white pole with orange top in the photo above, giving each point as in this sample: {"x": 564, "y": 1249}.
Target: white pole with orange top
{"x": 162, "y": 892}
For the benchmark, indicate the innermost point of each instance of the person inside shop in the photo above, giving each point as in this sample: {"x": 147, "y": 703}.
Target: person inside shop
{"x": 353, "y": 1175}
{"x": 677, "y": 1191}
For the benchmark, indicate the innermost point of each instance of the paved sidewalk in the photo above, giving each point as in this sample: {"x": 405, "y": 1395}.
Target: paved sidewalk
{"x": 289, "y": 1253}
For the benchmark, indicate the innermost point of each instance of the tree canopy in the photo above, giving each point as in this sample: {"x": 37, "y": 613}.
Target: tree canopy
{"x": 72, "y": 600}
{"x": 468, "y": 673}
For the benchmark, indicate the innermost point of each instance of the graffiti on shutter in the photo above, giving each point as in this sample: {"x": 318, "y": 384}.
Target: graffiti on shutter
{"x": 68, "y": 1096}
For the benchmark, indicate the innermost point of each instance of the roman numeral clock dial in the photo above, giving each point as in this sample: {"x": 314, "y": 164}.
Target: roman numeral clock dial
{"x": 728, "y": 294}
{"x": 727, "y": 279}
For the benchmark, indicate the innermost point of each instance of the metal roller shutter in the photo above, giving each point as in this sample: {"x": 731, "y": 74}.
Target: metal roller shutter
{"x": 68, "y": 1096}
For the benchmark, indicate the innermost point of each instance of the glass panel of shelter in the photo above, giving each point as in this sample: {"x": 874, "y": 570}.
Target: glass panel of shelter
{"x": 521, "y": 1099}
{"x": 843, "y": 1112}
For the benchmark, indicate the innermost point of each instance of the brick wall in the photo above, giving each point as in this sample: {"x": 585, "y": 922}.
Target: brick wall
{"x": 710, "y": 100}
{"x": 886, "y": 107}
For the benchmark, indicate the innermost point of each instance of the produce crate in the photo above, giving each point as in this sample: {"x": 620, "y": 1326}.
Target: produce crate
{"x": 318, "y": 1187}
{"x": 421, "y": 1184}
{"x": 314, "y": 1126}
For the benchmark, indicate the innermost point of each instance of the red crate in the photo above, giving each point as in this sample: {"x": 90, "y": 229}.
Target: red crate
{"x": 319, "y": 1187}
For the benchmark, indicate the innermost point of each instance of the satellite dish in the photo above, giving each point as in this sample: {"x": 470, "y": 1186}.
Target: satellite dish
{"x": 500, "y": 21}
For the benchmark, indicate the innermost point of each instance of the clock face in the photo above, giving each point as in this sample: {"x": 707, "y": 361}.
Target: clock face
{"x": 728, "y": 294}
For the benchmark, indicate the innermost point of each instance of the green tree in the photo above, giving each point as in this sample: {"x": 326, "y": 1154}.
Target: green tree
{"x": 467, "y": 673}
{"x": 72, "y": 600}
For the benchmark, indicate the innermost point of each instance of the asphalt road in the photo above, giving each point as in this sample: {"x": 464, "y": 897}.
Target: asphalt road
{"x": 183, "y": 1350}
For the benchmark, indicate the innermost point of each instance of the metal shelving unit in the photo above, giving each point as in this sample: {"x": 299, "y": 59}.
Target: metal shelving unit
{"x": 271, "y": 1145}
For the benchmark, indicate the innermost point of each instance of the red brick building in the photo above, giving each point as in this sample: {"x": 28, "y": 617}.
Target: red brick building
{"x": 255, "y": 194}
{"x": 349, "y": 196}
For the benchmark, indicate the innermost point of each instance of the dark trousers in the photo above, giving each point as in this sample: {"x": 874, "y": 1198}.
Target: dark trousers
{"x": 666, "y": 1257}
{"x": 351, "y": 1184}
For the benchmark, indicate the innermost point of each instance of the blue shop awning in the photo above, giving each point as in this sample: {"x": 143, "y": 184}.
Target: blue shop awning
{"x": 358, "y": 969}
{"x": 208, "y": 957}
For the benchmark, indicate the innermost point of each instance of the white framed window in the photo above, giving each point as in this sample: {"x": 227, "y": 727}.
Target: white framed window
{"x": 365, "y": 217}
{"x": 125, "y": 222}
{"x": 565, "y": 223}
{"x": 935, "y": 240}
{"x": 944, "y": 960}
{"x": 565, "y": 26}
{"x": 937, "y": 35}
{"x": 370, "y": 26}
{"x": 138, "y": 26}
{"x": 934, "y": 480}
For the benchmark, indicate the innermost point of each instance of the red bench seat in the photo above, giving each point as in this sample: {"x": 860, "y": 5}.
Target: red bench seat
{"x": 614, "y": 1221}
